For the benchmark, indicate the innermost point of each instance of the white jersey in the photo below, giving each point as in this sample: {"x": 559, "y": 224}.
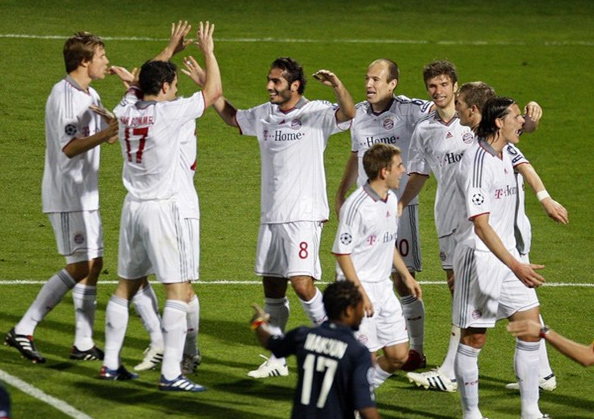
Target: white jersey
{"x": 523, "y": 229}
{"x": 438, "y": 147}
{"x": 487, "y": 185}
{"x": 70, "y": 184}
{"x": 393, "y": 126}
{"x": 367, "y": 232}
{"x": 151, "y": 134}
{"x": 292, "y": 144}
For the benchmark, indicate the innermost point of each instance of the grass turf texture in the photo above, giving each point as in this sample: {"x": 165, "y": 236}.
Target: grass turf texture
{"x": 533, "y": 50}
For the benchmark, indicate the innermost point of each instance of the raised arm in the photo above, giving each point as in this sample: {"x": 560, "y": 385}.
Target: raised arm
{"x": 226, "y": 111}
{"x": 177, "y": 41}
{"x": 348, "y": 180}
{"x": 524, "y": 271}
{"x": 213, "y": 87}
{"x": 553, "y": 209}
{"x": 532, "y": 115}
{"x": 346, "y": 106}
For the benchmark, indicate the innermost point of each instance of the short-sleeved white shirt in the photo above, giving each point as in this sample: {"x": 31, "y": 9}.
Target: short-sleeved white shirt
{"x": 151, "y": 136}
{"x": 292, "y": 144}
{"x": 393, "y": 126}
{"x": 367, "y": 231}
{"x": 438, "y": 147}
{"x": 488, "y": 186}
{"x": 70, "y": 184}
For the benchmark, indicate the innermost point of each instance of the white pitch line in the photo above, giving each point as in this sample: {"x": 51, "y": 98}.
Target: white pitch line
{"x": 231, "y": 282}
{"x": 44, "y": 397}
{"x": 317, "y": 41}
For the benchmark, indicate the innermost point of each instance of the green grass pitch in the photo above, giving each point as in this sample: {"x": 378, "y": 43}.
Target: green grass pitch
{"x": 530, "y": 50}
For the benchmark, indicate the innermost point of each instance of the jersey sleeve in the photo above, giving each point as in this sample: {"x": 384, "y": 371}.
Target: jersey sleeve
{"x": 326, "y": 111}
{"x": 475, "y": 184}
{"x": 516, "y": 155}
{"x": 362, "y": 389}
{"x": 346, "y": 233}
{"x": 248, "y": 119}
{"x": 184, "y": 110}
{"x": 284, "y": 345}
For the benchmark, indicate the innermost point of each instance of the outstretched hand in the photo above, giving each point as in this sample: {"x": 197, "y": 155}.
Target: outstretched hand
{"x": 327, "y": 78}
{"x": 205, "y": 40}
{"x": 127, "y": 77}
{"x": 194, "y": 71}
{"x": 259, "y": 314}
{"x": 177, "y": 41}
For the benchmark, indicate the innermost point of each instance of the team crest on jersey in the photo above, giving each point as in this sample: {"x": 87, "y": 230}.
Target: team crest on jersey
{"x": 70, "y": 129}
{"x": 296, "y": 123}
{"x": 346, "y": 238}
{"x": 468, "y": 138}
{"x": 388, "y": 123}
{"x": 476, "y": 314}
{"x": 478, "y": 199}
{"x": 79, "y": 238}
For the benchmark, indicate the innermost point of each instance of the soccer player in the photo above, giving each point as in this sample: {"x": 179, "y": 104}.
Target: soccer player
{"x": 153, "y": 236}
{"x": 70, "y": 196}
{"x": 491, "y": 281}
{"x": 390, "y": 119}
{"x": 433, "y": 150}
{"x": 333, "y": 366}
{"x": 581, "y": 354}
{"x": 145, "y": 300}
{"x": 292, "y": 133}
{"x": 469, "y": 103}
{"x": 365, "y": 251}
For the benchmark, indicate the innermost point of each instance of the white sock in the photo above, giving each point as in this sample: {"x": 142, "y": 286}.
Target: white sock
{"x": 448, "y": 363}
{"x": 84, "y": 298}
{"x": 116, "y": 322}
{"x": 379, "y": 375}
{"x": 414, "y": 314}
{"x": 48, "y": 297}
{"x": 279, "y": 311}
{"x": 193, "y": 324}
{"x": 526, "y": 366}
{"x": 147, "y": 306}
{"x": 314, "y": 309}
{"x": 467, "y": 375}
{"x": 544, "y": 369}
{"x": 174, "y": 335}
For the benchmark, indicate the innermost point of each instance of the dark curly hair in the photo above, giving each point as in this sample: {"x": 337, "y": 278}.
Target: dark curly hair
{"x": 338, "y": 296}
{"x": 292, "y": 71}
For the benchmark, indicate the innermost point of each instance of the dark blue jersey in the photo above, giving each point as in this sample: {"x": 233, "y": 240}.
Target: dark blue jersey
{"x": 334, "y": 371}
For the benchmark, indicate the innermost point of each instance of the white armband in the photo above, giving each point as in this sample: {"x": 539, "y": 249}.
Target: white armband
{"x": 542, "y": 195}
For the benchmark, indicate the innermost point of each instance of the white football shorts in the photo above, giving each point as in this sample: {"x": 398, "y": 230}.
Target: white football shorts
{"x": 154, "y": 238}
{"x": 387, "y": 326}
{"x": 289, "y": 249}
{"x": 79, "y": 235}
{"x": 486, "y": 290}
